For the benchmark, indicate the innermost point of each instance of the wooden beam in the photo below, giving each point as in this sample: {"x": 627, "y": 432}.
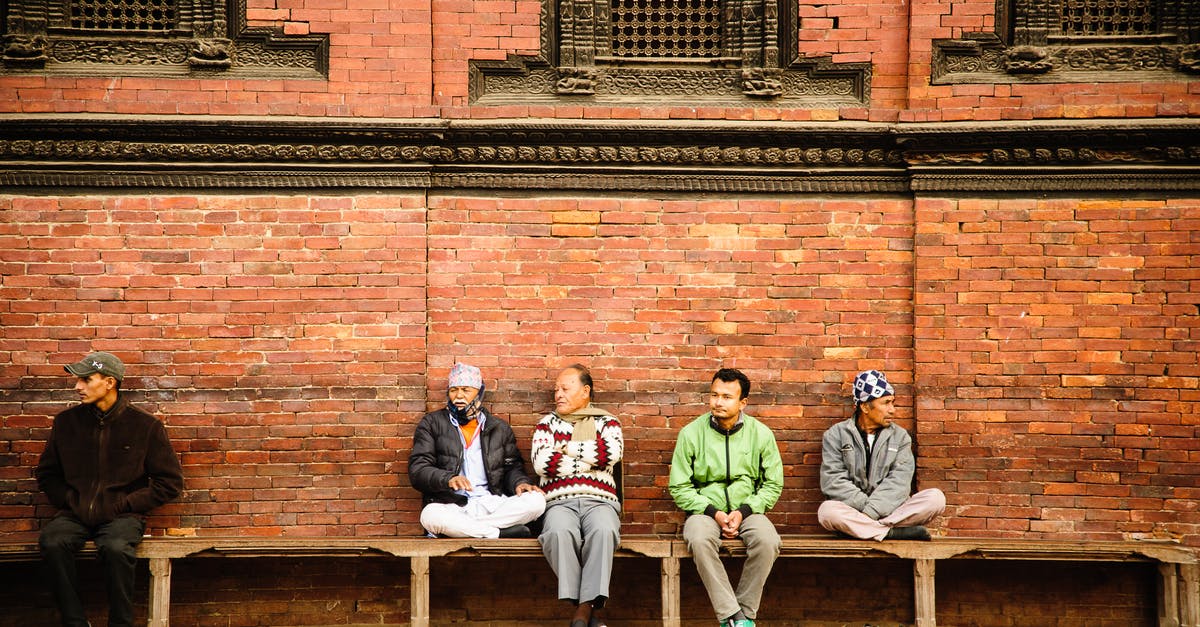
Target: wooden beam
{"x": 160, "y": 592}
{"x": 670, "y": 591}
{"x": 1189, "y": 595}
{"x": 418, "y": 585}
{"x": 924, "y": 592}
{"x": 1168, "y": 595}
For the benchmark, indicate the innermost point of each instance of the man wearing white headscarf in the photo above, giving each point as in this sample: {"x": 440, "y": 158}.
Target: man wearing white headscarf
{"x": 867, "y": 469}
{"x": 466, "y": 464}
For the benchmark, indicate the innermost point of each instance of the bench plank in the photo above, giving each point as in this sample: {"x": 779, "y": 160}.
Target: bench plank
{"x": 1178, "y": 602}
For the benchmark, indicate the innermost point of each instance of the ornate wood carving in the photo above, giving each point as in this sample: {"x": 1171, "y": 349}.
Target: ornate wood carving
{"x": 755, "y": 62}
{"x": 1075, "y": 41}
{"x": 193, "y": 36}
{"x": 1102, "y": 156}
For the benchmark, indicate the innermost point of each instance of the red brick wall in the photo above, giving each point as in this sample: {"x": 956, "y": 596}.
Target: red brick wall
{"x": 656, "y": 295}
{"x": 1045, "y": 353}
{"x": 286, "y": 341}
{"x": 409, "y": 58}
{"x": 282, "y": 340}
{"x": 1056, "y": 356}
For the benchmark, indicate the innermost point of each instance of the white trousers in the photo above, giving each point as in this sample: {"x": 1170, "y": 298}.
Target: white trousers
{"x": 483, "y": 516}
{"x": 919, "y": 509}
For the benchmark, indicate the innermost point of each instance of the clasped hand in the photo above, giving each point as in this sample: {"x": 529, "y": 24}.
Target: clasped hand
{"x": 730, "y": 523}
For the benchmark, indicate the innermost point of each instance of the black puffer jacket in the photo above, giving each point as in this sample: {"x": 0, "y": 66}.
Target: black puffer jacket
{"x": 437, "y": 456}
{"x": 101, "y": 466}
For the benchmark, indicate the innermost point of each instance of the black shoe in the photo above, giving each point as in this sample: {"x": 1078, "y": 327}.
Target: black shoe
{"x": 515, "y": 531}
{"x": 916, "y": 532}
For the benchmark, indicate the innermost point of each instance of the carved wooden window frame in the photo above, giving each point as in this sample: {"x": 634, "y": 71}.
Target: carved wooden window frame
{"x": 1028, "y": 45}
{"x": 758, "y": 63}
{"x": 208, "y": 36}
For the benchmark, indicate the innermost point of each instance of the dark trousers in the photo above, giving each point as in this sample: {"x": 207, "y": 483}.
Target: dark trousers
{"x": 116, "y": 542}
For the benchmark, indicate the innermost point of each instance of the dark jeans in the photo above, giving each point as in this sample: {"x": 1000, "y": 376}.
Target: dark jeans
{"x": 116, "y": 543}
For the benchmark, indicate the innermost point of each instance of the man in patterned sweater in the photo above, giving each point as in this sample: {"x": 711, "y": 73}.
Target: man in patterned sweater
{"x": 575, "y": 449}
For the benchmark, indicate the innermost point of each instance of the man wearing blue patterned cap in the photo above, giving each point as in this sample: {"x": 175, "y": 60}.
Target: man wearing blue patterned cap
{"x": 867, "y": 470}
{"x": 466, "y": 465}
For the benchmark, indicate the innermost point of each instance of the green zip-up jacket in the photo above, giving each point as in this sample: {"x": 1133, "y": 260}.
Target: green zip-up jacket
{"x": 712, "y": 470}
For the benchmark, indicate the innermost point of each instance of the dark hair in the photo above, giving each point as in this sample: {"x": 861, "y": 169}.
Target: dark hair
{"x": 585, "y": 377}
{"x": 729, "y": 375}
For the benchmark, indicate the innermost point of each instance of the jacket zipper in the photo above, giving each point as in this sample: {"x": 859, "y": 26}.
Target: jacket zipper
{"x": 728, "y": 475}
{"x": 101, "y": 438}
{"x": 872, "y": 459}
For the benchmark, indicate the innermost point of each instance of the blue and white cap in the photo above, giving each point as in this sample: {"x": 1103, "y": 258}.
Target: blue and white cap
{"x": 870, "y": 385}
{"x": 466, "y": 375}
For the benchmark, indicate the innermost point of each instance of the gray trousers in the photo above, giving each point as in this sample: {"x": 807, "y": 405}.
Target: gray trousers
{"x": 579, "y": 537}
{"x": 703, "y": 536}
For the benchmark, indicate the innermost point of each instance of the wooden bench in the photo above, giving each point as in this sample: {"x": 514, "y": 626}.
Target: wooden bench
{"x": 1178, "y": 567}
{"x": 1179, "y": 573}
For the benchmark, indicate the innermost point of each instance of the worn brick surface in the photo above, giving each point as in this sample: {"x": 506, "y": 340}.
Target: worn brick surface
{"x": 1045, "y": 353}
{"x": 1056, "y": 355}
{"x": 280, "y": 338}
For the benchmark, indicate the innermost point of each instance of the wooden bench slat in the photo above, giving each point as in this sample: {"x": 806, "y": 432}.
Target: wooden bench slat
{"x": 1178, "y": 602}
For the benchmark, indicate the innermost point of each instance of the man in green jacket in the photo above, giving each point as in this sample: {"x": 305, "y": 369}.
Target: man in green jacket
{"x": 726, "y": 473}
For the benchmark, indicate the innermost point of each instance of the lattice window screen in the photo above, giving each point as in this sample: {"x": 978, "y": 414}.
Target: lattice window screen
{"x": 137, "y": 15}
{"x": 666, "y": 28}
{"x": 1108, "y": 17}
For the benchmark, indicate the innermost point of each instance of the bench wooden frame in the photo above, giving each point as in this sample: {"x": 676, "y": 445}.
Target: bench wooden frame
{"x": 1178, "y": 567}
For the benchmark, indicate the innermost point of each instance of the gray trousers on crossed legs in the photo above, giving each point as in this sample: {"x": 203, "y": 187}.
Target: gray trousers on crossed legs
{"x": 579, "y": 537}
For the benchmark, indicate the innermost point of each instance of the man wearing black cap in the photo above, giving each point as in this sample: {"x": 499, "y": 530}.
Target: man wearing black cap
{"x": 106, "y": 464}
{"x": 867, "y": 468}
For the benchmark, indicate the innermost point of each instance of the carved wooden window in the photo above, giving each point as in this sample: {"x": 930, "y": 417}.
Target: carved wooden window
{"x": 1107, "y": 17}
{"x": 677, "y": 52}
{"x": 131, "y": 15}
{"x": 151, "y": 37}
{"x": 1076, "y": 40}
{"x": 1038, "y": 22}
{"x": 666, "y": 28}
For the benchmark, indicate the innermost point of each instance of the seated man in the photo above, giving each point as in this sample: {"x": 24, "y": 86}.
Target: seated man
{"x": 726, "y": 473}
{"x": 575, "y": 452}
{"x": 869, "y": 496}
{"x": 468, "y": 469}
{"x": 105, "y": 502}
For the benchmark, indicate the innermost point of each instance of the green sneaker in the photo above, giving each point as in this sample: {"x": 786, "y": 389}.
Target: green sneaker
{"x": 745, "y": 622}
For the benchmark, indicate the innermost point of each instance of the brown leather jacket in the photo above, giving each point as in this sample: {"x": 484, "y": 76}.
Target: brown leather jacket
{"x": 99, "y": 466}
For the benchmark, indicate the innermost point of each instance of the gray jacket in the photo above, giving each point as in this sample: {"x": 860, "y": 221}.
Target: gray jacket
{"x": 844, "y": 476}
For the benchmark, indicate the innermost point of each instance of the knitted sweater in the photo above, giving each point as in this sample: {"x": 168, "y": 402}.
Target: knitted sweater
{"x": 568, "y": 469}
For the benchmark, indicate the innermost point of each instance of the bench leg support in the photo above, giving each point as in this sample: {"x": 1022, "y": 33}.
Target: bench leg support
{"x": 418, "y": 587}
{"x": 160, "y": 592}
{"x": 1189, "y": 595}
{"x": 670, "y": 591}
{"x": 923, "y": 592}
{"x": 1168, "y": 595}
